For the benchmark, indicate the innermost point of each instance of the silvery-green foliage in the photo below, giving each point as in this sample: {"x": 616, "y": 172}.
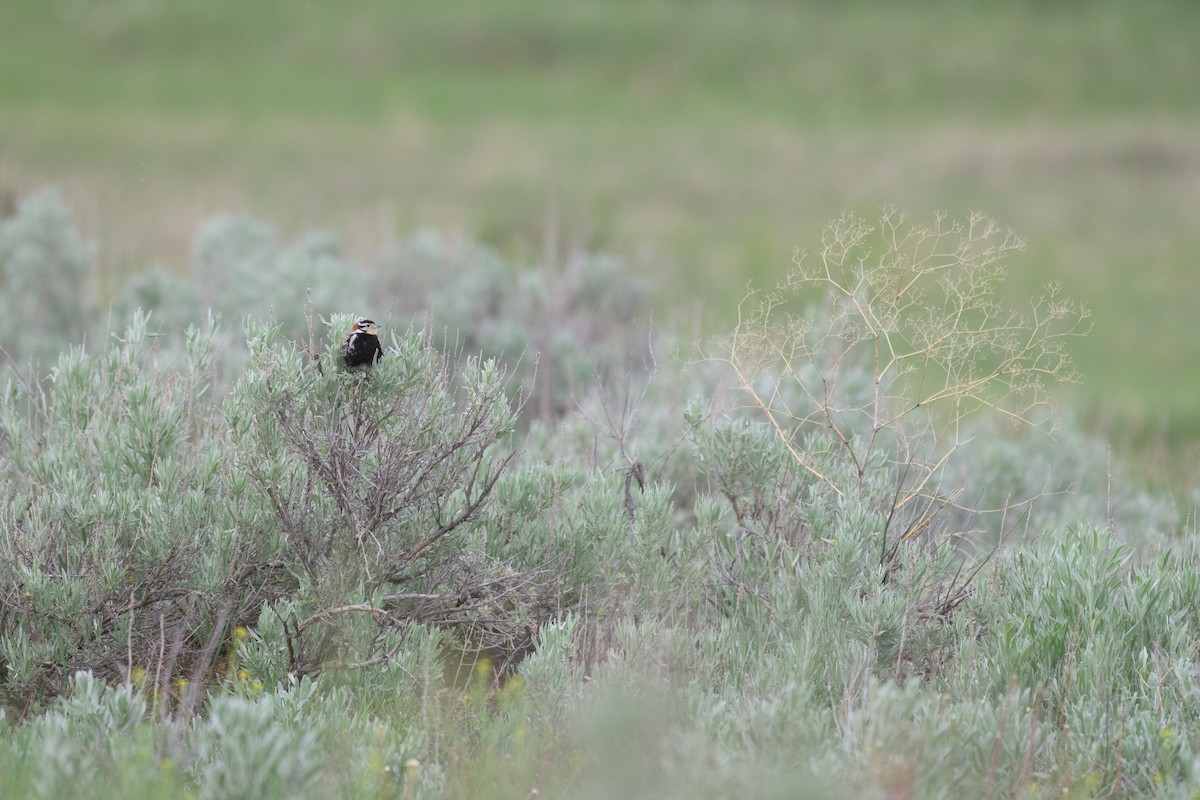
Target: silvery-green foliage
{"x": 897, "y": 734}
{"x": 553, "y": 675}
{"x": 1074, "y": 609}
{"x": 367, "y": 731}
{"x": 251, "y": 749}
{"x": 241, "y": 269}
{"x": 568, "y": 321}
{"x": 745, "y": 463}
{"x": 382, "y": 451}
{"x": 171, "y": 301}
{"x": 264, "y": 651}
{"x": 404, "y": 685}
{"x": 234, "y": 256}
{"x": 140, "y": 522}
{"x": 1103, "y": 641}
{"x": 428, "y": 269}
{"x": 375, "y": 478}
{"x": 44, "y": 297}
{"x": 553, "y": 672}
{"x": 92, "y": 730}
{"x": 1050, "y": 482}
{"x": 113, "y": 490}
{"x": 312, "y": 272}
{"x": 575, "y": 521}
{"x": 91, "y": 708}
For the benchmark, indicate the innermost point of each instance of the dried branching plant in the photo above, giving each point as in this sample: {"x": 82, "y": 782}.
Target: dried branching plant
{"x": 910, "y": 341}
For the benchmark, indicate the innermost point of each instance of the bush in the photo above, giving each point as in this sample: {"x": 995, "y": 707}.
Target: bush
{"x": 372, "y": 481}
{"x": 114, "y": 500}
{"x": 567, "y": 322}
{"x": 44, "y": 304}
{"x": 144, "y": 525}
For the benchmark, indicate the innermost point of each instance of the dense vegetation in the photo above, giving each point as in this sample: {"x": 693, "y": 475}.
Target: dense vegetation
{"x": 546, "y": 545}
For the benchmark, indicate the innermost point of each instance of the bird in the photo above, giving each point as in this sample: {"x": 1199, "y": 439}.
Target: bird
{"x": 361, "y": 346}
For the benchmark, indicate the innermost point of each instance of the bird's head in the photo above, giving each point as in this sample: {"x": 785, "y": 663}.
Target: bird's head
{"x": 365, "y": 326}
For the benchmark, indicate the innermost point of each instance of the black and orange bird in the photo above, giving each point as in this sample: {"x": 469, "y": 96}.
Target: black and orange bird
{"x": 362, "y": 344}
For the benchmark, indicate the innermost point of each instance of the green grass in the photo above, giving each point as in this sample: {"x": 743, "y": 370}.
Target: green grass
{"x": 853, "y": 63}
{"x": 702, "y": 140}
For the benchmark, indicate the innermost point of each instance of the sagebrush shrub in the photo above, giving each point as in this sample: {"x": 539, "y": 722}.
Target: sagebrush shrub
{"x": 45, "y": 303}
{"x": 373, "y": 480}
{"x": 143, "y": 522}
{"x": 117, "y": 542}
{"x": 565, "y": 321}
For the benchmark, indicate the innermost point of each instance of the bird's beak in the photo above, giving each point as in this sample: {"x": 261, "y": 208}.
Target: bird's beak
{"x": 373, "y": 330}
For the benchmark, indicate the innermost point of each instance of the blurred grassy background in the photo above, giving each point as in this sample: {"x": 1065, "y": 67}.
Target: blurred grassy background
{"x": 700, "y": 139}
